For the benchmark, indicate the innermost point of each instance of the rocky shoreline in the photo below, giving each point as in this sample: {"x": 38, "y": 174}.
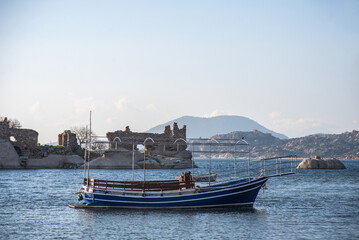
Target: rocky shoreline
{"x": 19, "y": 149}
{"x": 121, "y": 159}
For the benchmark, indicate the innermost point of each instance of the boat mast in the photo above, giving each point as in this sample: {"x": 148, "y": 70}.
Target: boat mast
{"x": 210, "y": 155}
{"x": 133, "y": 161}
{"x": 192, "y": 159}
{"x": 85, "y": 156}
{"x": 249, "y": 161}
{"x": 144, "y": 164}
{"x": 144, "y": 157}
{"x": 235, "y": 162}
{"x": 209, "y": 168}
{"x": 89, "y": 153}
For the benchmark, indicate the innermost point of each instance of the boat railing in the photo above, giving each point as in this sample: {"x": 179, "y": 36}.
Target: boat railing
{"x": 140, "y": 185}
{"x": 268, "y": 167}
{"x": 275, "y": 166}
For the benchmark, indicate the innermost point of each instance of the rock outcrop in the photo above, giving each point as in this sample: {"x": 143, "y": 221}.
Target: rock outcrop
{"x": 54, "y": 161}
{"x": 19, "y": 149}
{"x": 122, "y": 159}
{"x": 159, "y": 162}
{"x": 321, "y": 163}
{"x": 9, "y": 159}
{"x": 23, "y": 140}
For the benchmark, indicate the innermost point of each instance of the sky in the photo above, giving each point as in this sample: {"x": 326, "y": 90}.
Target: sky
{"x": 292, "y": 66}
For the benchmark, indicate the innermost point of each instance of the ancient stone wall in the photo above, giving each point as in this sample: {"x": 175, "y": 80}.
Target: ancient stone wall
{"x": 68, "y": 140}
{"x": 23, "y": 140}
{"x": 169, "y": 140}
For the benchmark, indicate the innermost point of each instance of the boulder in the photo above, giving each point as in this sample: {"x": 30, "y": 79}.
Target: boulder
{"x": 54, "y": 161}
{"x": 121, "y": 159}
{"x": 9, "y": 159}
{"x": 166, "y": 162}
{"x": 321, "y": 163}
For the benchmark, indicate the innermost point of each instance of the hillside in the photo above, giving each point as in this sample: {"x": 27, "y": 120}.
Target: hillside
{"x": 207, "y": 127}
{"x": 341, "y": 146}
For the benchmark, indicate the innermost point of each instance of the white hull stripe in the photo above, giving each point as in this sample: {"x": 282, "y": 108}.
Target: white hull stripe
{"x": 176, "y": 207}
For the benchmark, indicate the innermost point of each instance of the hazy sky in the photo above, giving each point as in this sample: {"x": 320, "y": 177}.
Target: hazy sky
{"x": 292, "y": 66}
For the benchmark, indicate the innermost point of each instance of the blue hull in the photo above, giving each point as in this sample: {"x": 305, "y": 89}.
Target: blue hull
{"x": 237, "y": 193}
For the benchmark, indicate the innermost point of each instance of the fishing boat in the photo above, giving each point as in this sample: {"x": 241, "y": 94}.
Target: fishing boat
{"x": 184, "y": 192}
{"x": 170, "y": 194}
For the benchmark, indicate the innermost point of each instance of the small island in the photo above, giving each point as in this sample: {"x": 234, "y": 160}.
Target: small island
{"x": 321, "y": 163}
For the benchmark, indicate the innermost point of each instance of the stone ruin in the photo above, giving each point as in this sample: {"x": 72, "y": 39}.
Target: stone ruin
{"x": 163, "y": 150}
{"x": 68, "y": 140}
{"x": 163, "y": 141}
{"x": 168, "y": 149}
{"x": 169, "y": 140}
{"x": 23, "y": 140}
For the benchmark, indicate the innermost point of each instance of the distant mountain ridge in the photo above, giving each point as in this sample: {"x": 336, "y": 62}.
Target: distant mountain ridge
{"x": 342, "y": 146}
{"x": 207, "y": 127}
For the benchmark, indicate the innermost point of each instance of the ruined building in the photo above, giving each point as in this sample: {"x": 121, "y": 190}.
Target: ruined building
{"x": 23, "y": 140}
{"x": 69, "y": 141}
{"x": 168, "y": 141}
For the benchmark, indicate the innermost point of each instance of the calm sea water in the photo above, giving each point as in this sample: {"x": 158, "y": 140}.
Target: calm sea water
{"x": 312, "y": 204}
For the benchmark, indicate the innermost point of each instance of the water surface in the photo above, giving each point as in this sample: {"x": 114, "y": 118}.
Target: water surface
{"x": 321, "y": 204}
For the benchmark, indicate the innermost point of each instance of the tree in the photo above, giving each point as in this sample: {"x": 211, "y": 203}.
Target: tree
{"x": 83, "y": 134}
{"x": 13, "y": 123}
{"x": 99, "y": 147}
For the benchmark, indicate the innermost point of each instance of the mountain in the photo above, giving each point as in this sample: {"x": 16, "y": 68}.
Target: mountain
{"x": 207, "y": 127}
{"x": 342, "y": 146}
